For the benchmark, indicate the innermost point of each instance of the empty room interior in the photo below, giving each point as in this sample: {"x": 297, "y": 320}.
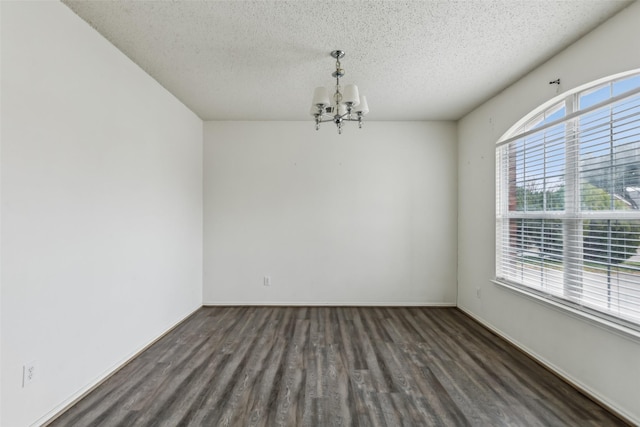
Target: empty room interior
{"x": 204, "y": 221}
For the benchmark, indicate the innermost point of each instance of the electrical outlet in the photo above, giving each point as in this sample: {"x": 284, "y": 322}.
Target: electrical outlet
{"x": 29, "y": 372}
{"x": 267, "y": 281}
{"x": 478, "y": 293}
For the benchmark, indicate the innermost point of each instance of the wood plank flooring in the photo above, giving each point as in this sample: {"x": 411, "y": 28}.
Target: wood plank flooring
{"x": 333, "y": 366}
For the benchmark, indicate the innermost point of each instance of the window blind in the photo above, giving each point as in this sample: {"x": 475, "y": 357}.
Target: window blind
{"x": 568, "y": 196}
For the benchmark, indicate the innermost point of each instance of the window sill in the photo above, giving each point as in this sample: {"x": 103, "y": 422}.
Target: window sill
{"x": 602, "y": 323}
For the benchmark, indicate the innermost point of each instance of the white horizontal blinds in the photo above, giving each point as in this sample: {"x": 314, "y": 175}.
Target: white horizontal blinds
{"x": 610, "y": 283}
{"x": 609, "y": 144}
{"x": 568, "y": 196}
{"x": 532, "y": 254}
{"x": 532, "y": 188}
{"x": 609, "y": 168}
{"x": 538, "y": 160}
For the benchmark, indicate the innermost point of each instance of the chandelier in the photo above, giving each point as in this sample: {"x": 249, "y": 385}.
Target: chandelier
{"x": 347, "y": 105}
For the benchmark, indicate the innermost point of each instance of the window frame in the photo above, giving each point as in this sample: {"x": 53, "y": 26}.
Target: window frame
{"x": 572, "y": 215}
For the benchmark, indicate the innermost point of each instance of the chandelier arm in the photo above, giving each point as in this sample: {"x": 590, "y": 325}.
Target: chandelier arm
{"x": 322, "y": 114}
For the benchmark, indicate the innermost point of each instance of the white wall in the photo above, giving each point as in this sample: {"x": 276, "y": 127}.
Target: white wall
{"x": 101, "y": 208}
{"x": 366, "y": 217}
{"x": 602, "y": 362}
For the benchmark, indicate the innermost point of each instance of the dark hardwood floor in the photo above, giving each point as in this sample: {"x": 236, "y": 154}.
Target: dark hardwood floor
{"x": 331, "y": 366}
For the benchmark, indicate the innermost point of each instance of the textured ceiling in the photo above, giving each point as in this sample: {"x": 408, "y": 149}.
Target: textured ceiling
{"x": 414, "y": 60}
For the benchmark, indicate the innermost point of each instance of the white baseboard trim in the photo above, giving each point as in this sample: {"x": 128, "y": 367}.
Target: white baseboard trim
{"x": 327, "y": 304}
{"x": 76, "y": 397}
{"x": 584, "y": 389}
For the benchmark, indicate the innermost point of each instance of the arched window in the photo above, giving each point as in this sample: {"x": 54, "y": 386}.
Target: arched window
{"x": 568, "y": 198}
